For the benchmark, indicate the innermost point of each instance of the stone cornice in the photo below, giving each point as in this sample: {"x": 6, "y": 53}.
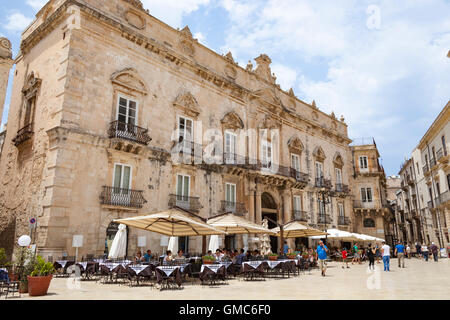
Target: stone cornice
{"x": 441, "y": 120}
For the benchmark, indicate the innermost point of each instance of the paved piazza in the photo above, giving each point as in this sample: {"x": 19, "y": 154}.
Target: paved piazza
{"x": 419, "y": 280}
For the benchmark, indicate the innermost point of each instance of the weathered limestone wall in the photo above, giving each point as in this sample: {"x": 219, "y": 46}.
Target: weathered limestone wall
{"x": 6, "y": 63}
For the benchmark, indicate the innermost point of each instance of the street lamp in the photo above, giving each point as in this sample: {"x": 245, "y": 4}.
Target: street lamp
{"x": 324, "y": 195}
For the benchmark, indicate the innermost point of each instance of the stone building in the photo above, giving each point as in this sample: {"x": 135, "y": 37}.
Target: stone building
{"x": 393, "y": 185}
{"x": 372, "y": 213}
{"x": 105, "y": 100}
{"x": 6, "y": 63}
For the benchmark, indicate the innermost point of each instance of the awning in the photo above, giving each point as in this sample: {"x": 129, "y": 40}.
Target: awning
{"x": 335, "y": 234}
{"x": 233, "y": 224}
{"x": 174, "y": 222}
{"x": 295, "y": 229}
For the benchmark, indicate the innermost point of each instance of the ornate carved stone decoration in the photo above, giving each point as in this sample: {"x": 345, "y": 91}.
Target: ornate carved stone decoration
{"x": 31, "y": 86}
{"x": 187, "y": 41}
{"x": 313, "y": 104}
{"x": 249, "y": 66}
{"x": 135, "y": 19}
{"x": 187, "y": 103}
{"x": 295, "y": 145}
{"x": 263, "y": 69}
{"x": 342, "y": 119}
{"x": 315, "y": 115}
{"x": 231, "y": 72}
{"x": 268, "y": 98}
{"x": 337, "y": 160}
{"x": 291, "y": 93}
{"x": 136, "y": 3}
{"x": 319, "y": 154}
{"x": 5, "y": 48}
{"x": 232, "y": 121}
{"x": 269, "y": 123}
{"x": 129, "y": 79}
{"x": 229, "y": 57}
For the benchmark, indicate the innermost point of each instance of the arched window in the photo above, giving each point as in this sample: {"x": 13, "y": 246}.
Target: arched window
{"x": 369, "y": 223}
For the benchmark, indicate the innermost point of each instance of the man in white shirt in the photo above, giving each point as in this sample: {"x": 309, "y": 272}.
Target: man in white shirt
{"x": 386, "y": 252}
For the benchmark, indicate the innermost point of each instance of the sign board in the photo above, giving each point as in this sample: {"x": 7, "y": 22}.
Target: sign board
{"x": 380, "y": 231}
{"x": 142, "y": 241}
{"x": 77, "y": 241}
{"x": 33, "y": 223}
{"x": 164, "y": 241}
{"x": 444, "y": 253}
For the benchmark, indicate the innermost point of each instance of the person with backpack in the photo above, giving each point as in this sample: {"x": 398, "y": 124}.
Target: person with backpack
{"x": 434, "y": 250}
{"x": 371, "y": 255}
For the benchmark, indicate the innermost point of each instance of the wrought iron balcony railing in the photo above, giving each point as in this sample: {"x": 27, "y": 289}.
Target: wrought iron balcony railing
{"x": 430, "y": 205}
{"x": 432, "y": 162}
{"x": 426, "y": 169}
{"x": 323, "y": 183}
{"x": 113, "y": 196}
{"x": 299, "y": 176}
{"x": 129, "y": 132}
{"x": 359, "y": 204}
{"x": 23, "y": 134}
{"x": 343, "y": 221}
{"x": 300, "y": 215}
{"x": 186, "y": 203}
{"x": 342, "y": 188}
{"x": 324, "y": 219}
{"x": 236, "y": 208}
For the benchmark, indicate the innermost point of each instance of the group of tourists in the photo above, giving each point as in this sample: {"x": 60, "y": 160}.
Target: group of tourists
{"x": 423, "y": 251}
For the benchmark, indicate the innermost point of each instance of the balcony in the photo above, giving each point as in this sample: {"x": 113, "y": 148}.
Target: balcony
{"x": 359, "y": 204}
{"x": 119, "y": 197}
{"x": 432, "y": 162}
{"x": 300, "y": 215}
{"x": 129, "y": 132}
{"x": 342, "y": 188}
{"x": 426, "y": 169}
{"x": 236, "y": 208}
{"x": 442, "y": 155}
{"x": 430, "y": 205}
{"x": 299, "y": 176}
{"x": 323, "y": 183}
{"x": 324, "y": 219}
{"x": 23, "y": 135}
{"x": 409, "y": 180}
{"x": 186, "y": 203}
{"x": 343, "y": 221}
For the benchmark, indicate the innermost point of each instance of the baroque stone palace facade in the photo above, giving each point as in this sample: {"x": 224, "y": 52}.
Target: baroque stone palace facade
{"x": 103, "y": 93}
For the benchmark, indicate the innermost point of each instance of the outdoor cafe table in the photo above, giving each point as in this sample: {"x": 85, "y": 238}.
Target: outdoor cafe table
{"x": 213, "y": 272}
{"x": 168, "y": 273}
{"x": 140, "y": 271}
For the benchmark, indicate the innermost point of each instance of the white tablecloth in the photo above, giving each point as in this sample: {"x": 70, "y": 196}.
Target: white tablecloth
{"x": 253, "y": 264}
{"x": 213, "y": 267}
{"x": 62, "y": 263}
{"x": 110, "y": 265}
{"x": 83, "y": 264}
{"x": 138, "y": 269}
{"x": 169, "y": 269}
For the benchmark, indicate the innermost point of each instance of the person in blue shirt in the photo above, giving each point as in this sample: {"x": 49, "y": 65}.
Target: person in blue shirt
{"x": 400, "y": 252}
{"x": 285, "y": 248}
{"x": 148, "y": 256}
{"x": 321, "y": 255}
{"x": 240, "y": 257}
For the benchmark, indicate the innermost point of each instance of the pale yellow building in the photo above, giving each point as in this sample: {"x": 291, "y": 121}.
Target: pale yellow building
{"x": 103, "y": 96}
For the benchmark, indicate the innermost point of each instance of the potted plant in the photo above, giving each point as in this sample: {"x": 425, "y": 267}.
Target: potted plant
{"x": 208, "y": 259}
{"x": 291, "y": 255}
{"x": 305, "y": 255}
{"x": 39, "y": 280}
{"x": 273, "y": 256}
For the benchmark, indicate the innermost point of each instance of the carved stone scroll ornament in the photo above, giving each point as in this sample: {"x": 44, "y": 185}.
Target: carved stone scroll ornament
{"x": 295, "y": 145}
{"x": 5, "y": 48}
{"x": 187, "y": 103}
{"x": 135, "y": 19}
{"x": 32, "y": 86}
{"x": 232, "y": 121}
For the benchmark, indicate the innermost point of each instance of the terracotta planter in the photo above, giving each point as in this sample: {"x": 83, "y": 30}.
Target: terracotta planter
{"x": 292, "y": 257}
{"x": 208, "y": 262}
{"x": 273, "y": 258}
{"x": 13, "y": 276}
{"x": 23, "y": 287}
{"x": 305, "y": 257}
{"x": 38, "y": 286}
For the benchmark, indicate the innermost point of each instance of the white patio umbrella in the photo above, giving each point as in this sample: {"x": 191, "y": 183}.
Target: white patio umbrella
{"x": 214, "y": 243}
{"x": 335, "y": 234}
{"x": 119, "y": 244}
{"x": 173, "y": 245}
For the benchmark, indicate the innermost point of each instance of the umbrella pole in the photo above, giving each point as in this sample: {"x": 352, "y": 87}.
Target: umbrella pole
{"x": 282, "y": 239}
{"x": 203, "y": 245}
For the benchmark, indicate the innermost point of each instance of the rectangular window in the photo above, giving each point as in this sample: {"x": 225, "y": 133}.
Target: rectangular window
{"x": 363, "y": 164}
{"x": 369, "y": 194}
{"x": 122, "y": 177}
{"x": 366, "y": 194}
{"x": 297, "y": 203}
{"x": 321, "y": 208}
{"x": 266, "y": 154}
{"x": 230, "y": 147}
{"x": 444, "y": 147}
{"x": 338, "y": 176}
{"x": 183, "y": 187}
{"x": 185, "y": 132}
{"x": 319, "y": 170}
{"x": 295, "y": 162}
{"x": 230, "y": 193}
{"x": 341, "y": 209}
{"x": 127, "y": 111}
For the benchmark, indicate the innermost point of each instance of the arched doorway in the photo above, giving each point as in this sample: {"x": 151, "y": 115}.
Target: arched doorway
{"x": 110, "y": 234}
{"x": 269, "y": 210}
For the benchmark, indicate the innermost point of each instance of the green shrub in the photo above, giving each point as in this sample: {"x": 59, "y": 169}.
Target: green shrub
{"x": 3, "y": 258}
{"x": 42, "y": 268}
{"x": 208, "y": 258}
{"x": 273, "y": 255}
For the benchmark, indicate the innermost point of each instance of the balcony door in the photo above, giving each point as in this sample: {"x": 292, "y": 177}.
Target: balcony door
{"x": 121, "y": 185}
{"x": 126, "y": 116}
{"x": 319, "y": 173}
{"x": 297, "y": 203}
{"x": 266, "y": 154}
{"x": 230, "y": 148}
{"x": 338, "y": 179}
{"x": 295, "y": 165}
{"x": 366, "y": 197}
{"x": 183, "y": 190}
{"x": 185, "y": 134}
{"x": 230, "y": 197}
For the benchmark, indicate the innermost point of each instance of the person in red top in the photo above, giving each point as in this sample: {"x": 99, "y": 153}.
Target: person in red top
{"x": 344, "y": 258}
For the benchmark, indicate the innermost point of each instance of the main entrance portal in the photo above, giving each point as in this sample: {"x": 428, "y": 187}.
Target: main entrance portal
{"x": 270, "y": 211}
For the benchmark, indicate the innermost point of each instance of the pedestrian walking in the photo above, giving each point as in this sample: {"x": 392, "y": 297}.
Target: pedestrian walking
{"x": 400, "y": 253}
{"x": 321, "y": 255}
{"x": 344, "y": 258}
{"x": 434, "y": 250}
{"x": 418, "y": 250}
{"x": 386, "y": 252}
{"x": 356, "y": 255}
{"x": 408, "y": 251}
{"x": 378, "y": 253}
{"x": 371, "y": 255}
{"x": 424, "y": 250}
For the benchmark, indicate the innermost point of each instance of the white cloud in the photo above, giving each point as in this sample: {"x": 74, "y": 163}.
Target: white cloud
{"x": 172, "y": 11}
{"x": 17, "y": 22}
{"x": 379, "y": 79}
{"x": 37, "y": 4}
{"x": 200, "y": 37}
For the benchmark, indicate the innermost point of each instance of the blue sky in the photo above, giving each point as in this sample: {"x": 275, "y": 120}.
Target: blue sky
{"x": 380, "y": 63}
